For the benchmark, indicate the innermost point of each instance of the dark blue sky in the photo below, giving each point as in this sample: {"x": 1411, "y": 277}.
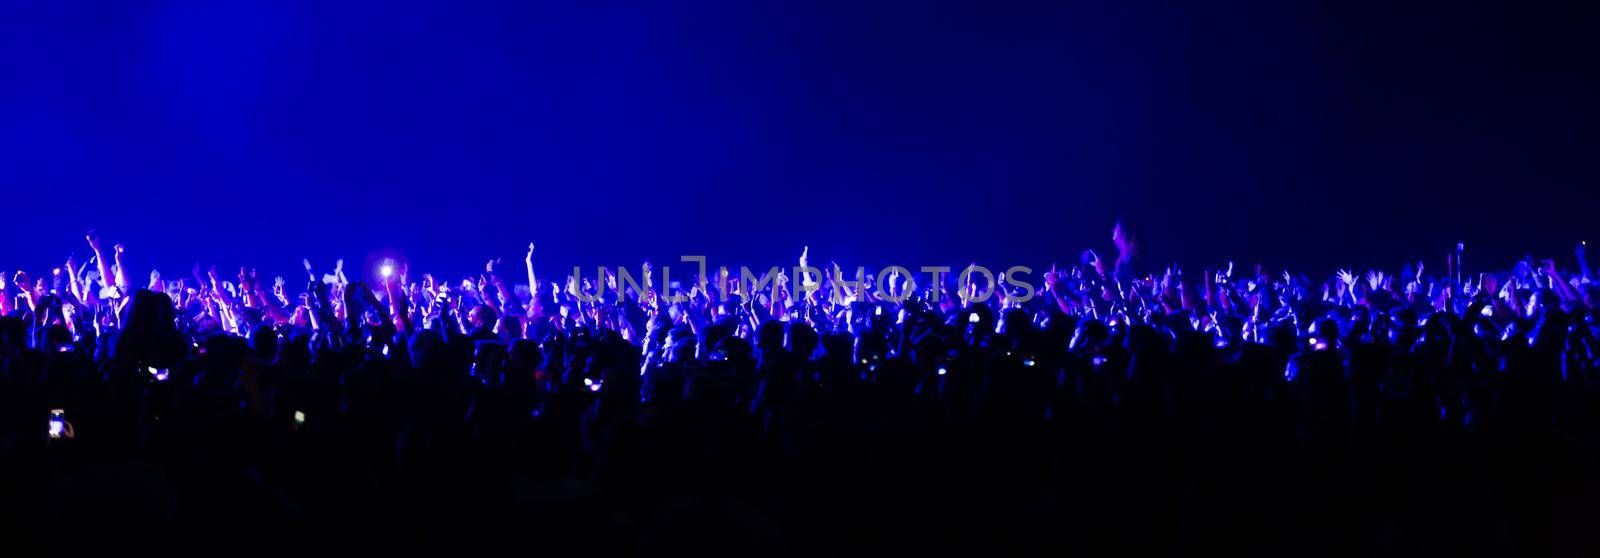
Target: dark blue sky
{"x": 914, "y": 132}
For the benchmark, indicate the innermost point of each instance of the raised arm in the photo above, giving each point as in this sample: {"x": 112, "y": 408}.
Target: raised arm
{"x": 503, "y": 297}
{"x": 104, "y": 264}
{"x": 533, "y": 282}
{"x": 1583, "y": 262}
{"x": 74, "y": 286}
{"x": 122, "y": 270}
{"x": 805, "y": 274}
{"x": 399, "y": 303}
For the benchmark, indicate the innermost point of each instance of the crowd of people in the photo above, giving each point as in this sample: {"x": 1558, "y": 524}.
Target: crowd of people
{"x": 1113, "y": 407}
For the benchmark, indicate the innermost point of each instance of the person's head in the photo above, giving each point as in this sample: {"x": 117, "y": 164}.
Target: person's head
{"x": 482, "y": 316}
{"x": 1436, "y": 327}
{"x": 264, "y": 343}
{"x": 509, "y": 327}
{"x": 149, "y": 333}
{"x": 488, "y": 361}
{"x": 870, "y": 348}
{"x": 1014, "y": 321}
{"x": 801, "y": 340}
{"x": 680, "y": 345}
{"x": 1281, "y": 335}
{"x": 57, "y": 338}
{"x": 715, "y": 332}
{"x": 769, "y": 337}
{"x": 733, "y": 349}
{"x": 1323, "y": 335}
{"x": 427, "y": 348}
{"x": 295, "y": 350}
{"x": 525, "y": 356}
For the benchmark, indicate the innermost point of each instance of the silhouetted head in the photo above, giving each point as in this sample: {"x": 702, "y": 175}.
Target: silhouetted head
{"x": 801, "y": 339}
{"x": 149, "y": 334}
{"x": 769, "y": 337}
{"x": 264, "y": 343}
{"x": 427, "y": 348}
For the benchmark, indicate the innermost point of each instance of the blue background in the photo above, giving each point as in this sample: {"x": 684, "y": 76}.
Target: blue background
{"x": 1322, "y": 134}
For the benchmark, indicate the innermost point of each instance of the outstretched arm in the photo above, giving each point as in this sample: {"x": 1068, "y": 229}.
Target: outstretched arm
{"x": 122, "y": 270}
{"x": 533, "y": 283}
{"x": 805, "y": 275}
{"x": 104, "y": 265}
{"x": 400, "y": 303}
{"x": 504, "y": 299}
{"x": 73, "y": 285}
{"x": 1583, "y": 262}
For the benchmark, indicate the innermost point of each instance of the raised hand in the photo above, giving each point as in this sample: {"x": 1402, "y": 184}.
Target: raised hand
{"x": 94, "y": 240}
{"x": 1349, "y": 279}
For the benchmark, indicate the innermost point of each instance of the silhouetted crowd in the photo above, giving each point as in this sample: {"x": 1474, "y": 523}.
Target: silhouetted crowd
{"x": 1109, "y": 409}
